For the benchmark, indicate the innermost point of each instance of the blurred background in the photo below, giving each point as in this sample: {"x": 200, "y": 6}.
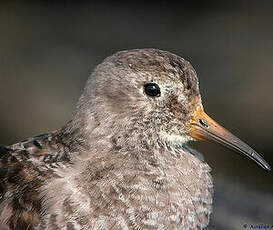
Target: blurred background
{"x": 48, "y": 49}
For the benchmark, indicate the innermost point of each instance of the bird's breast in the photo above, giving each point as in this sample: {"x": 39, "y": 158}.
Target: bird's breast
{"x": 174, "y": 193}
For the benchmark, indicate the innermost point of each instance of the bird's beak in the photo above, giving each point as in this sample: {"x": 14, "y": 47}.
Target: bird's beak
{"x": 202, "y": 127}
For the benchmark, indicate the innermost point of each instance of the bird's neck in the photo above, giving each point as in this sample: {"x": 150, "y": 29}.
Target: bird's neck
{"x": 89, "y": 136}
{"x": 110, "y": 134}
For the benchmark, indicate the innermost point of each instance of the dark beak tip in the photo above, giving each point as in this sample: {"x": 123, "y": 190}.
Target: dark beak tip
{"x": 265, "y": 166}
{"x": 268, "y": 168}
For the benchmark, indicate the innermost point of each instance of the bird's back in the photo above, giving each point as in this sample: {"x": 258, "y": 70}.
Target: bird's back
{"x": 23, "y": 169}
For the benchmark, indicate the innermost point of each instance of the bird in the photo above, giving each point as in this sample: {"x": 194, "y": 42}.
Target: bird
{"x": 123, "y": 161}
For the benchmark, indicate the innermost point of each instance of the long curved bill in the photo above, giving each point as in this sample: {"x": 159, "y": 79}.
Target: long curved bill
{"x": 203, "y": 128}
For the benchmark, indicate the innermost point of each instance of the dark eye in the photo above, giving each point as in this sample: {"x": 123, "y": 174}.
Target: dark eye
{"x": 152, "y": 89}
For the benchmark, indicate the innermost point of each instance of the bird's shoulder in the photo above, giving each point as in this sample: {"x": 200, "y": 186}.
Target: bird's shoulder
{"x": 24, "y": 167}
{"x": 43, "y": 150}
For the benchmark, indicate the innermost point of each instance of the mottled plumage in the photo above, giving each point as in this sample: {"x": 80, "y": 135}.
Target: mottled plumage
{"x": 121, "y": 162}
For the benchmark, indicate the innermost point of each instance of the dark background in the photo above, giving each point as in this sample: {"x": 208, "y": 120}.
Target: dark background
{"x": 47, "y": 51}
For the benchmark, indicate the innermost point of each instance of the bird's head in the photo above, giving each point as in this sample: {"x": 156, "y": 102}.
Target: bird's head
{"x": 151, "y": 97}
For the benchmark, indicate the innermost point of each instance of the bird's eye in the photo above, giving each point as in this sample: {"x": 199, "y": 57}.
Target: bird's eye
{"x": 152, "y": 89}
